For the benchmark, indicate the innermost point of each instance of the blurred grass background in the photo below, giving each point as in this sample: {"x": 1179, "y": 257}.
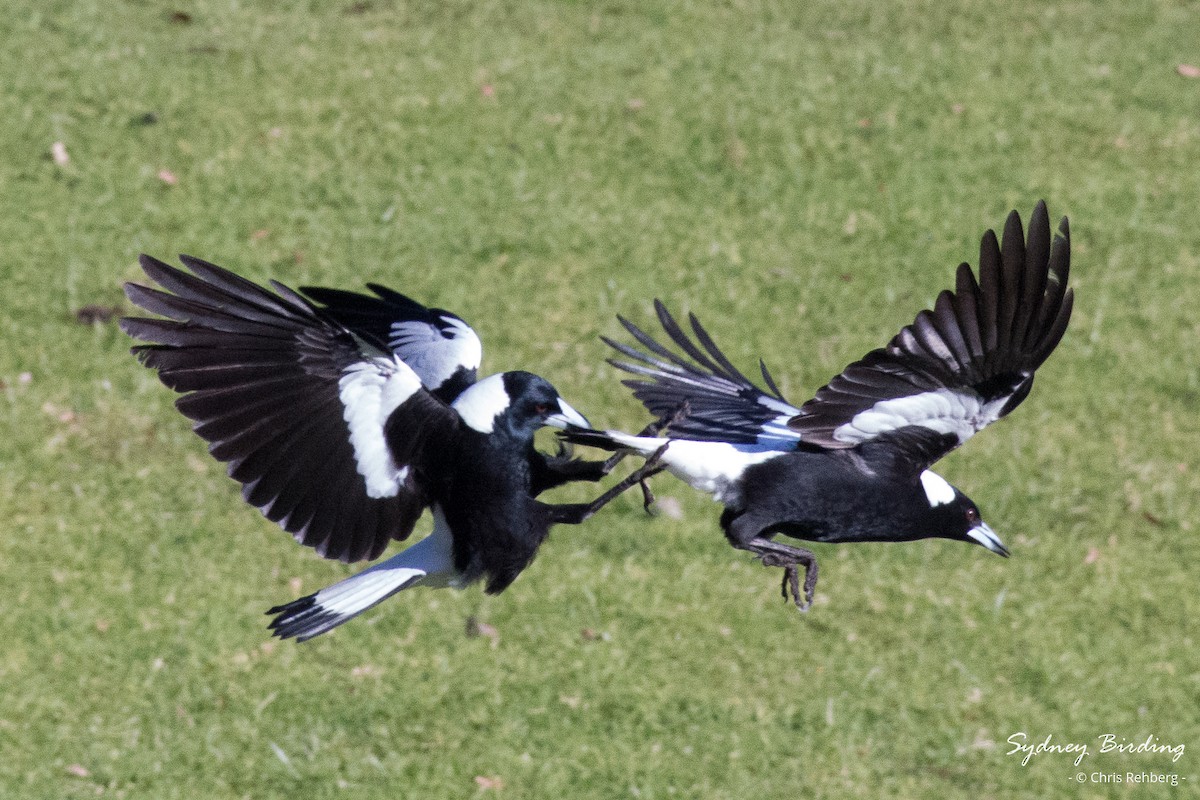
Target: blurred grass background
{"x": 805, "y": 177}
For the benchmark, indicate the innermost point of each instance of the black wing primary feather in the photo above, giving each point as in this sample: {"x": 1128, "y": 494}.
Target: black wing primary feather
{"x": 722, "y": 404}
{"x": 964, "y": 364}
{"x": 262, "y": 374}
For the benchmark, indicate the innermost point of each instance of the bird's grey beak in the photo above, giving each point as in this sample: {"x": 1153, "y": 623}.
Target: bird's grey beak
{"x": 567, "y": 417}
{"x": 985, "y": 536}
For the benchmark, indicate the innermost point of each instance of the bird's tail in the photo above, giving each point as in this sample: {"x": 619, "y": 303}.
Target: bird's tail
{"x": 430, "y": 562}
{"x": 613, "y": 440}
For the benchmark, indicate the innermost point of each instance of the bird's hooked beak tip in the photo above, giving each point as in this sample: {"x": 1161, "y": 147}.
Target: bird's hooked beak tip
{"x": 985, "y": 536}
{"x": 567, "y": 417}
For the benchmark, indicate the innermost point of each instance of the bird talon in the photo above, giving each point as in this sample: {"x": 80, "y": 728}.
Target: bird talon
{"x": 648, "y": 498}
{"x": 650, "y": 468}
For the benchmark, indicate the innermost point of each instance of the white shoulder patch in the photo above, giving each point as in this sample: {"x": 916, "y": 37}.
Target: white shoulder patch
{"x": 370, "y": 391}
{"x": 937, "y": 489}
{"x": 482, "y": 402}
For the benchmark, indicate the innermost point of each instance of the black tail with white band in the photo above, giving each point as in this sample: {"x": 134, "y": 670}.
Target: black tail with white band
{"x": 345, "y": 421}
{"x": 853, "y": 463}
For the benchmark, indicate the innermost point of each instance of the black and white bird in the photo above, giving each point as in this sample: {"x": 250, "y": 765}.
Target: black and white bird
{"x": 853, "y": 463}
{"x": 345, "y": 418}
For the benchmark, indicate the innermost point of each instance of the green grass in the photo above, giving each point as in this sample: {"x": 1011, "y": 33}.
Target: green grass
{"x": 804, "y": 175}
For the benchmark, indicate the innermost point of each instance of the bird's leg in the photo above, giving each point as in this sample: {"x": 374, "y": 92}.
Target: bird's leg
{"x": 575, "y": 513}
{"x": 648, "y": 497}
{"x": 562, "y": 467}
{"x": 658, "y": 428}
{"x": 655, "y": 429}
{"x": 774, "y": 554}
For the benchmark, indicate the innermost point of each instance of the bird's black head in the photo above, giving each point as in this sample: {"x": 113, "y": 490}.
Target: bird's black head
{"x": 515, "y": 404}
{"x": 952, "y": 515}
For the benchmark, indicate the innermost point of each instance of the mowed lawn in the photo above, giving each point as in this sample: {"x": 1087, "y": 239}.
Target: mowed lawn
{"x": 805, "y": 177}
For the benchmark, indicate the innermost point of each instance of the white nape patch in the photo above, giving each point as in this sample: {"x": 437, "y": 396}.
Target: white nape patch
{"x": 432, "y": 354}
{"x": 370, "y": 391}
{"x": 482, "y": 402}
{"x": 937, "y": 489}
{"x": 712, "y": 467}
{"x": 429, "y": 562}
{"x": 960, "y": 412}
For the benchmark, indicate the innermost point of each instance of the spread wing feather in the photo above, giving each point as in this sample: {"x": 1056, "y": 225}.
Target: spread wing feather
{"x": 294, "y": 402}
{"x": 707, "y": 398}
{"x": 965, "y": 363}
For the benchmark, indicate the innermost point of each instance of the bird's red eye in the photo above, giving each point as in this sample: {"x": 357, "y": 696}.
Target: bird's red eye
{"x": 972, "y": 515}
{"x": 541, "y": 409}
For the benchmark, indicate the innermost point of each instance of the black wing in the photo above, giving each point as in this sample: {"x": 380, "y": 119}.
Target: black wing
{"x": 437, "y": 344}
{"x": 722, "y": 404}
{"x": 961, "y": 366}
{"x": 294, "y": 403}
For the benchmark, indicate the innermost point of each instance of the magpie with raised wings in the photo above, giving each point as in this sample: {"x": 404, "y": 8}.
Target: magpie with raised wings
{"x": 853, "y": 463}
{"x": 344, "y": 416}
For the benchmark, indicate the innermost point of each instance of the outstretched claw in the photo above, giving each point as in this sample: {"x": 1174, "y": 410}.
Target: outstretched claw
{"x": 648, "y": 498}
{"x": 774, "y": 554}
{"x": 791, "y": 580}
{"x": 664, "y": 424}
{"x": 790, "y": 585}
{"x": 611, "y": 462}
{"x": 576, "y": 513}
{"x": 656, "y": 428}
{"x": 649, "y": 469}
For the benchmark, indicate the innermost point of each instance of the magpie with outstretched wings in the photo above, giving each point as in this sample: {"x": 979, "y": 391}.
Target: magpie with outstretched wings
{"x": 344, "y": 417}
{"x": 853, "y": 463}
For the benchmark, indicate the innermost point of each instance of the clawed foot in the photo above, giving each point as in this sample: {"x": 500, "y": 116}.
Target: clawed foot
{"x": 790, "y": 586}
{"x": 649, "y": 469}
{"x": 575, "y": 513}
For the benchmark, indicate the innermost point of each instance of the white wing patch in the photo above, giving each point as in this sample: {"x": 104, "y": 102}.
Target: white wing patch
{"x": 480, "y": 404}
{"x": 960, "y": 412}
{"x": 370, "y": 391}
{"x": 435, "y": 355}
{"x": 937, "y": 489}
